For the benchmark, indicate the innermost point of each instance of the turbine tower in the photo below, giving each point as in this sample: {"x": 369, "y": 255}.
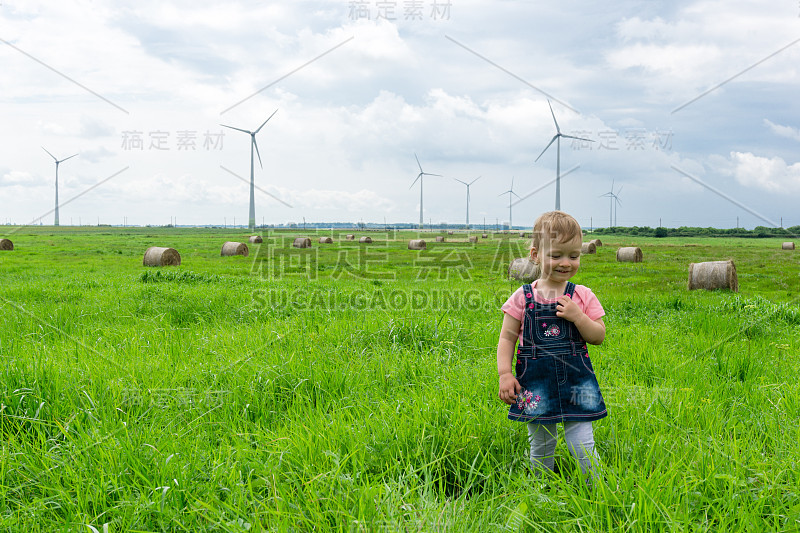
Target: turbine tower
{"x": 468, "y": 185}
{"x": 57, "y": 163}
{"x": 253, "y": 144}
{"x": 419, "y": 178}
{"x": 557, "y": 139}
{"x": 510, "y": 192}
{"x": 613, "y": 199}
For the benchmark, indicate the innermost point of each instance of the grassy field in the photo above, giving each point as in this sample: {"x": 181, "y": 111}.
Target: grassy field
{"x": 353, "y": 387}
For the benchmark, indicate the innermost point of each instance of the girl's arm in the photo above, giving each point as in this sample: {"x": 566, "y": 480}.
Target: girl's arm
{"x": 592, "y": 331}
{"x": 509, "y": 333}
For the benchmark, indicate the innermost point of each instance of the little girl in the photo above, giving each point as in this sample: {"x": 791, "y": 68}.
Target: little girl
{"x": 553, "y": 319}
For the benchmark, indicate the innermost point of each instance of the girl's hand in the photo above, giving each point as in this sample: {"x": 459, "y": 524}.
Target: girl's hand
{"x": 567, "y": 309}
{"x": 509, "y": 388}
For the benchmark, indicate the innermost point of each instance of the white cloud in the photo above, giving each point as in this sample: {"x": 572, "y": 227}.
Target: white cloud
{"x": 766, "y": 174}
{"x": 17, "y": 177}
{"x": 784, "y": 131}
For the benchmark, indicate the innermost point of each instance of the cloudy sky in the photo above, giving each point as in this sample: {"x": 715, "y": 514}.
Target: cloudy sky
{"x": 692, "y": 107}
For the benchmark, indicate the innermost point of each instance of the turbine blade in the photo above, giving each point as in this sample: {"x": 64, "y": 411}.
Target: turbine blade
{"x": 473, "y": 181}
{"x": 70, "y": 157}
{"x": 620, "y": 189}
{"x": 418, "y": 163}
{"x": 416, "y": 180}
{"x": 515, "y": 194}
{"x": 579, "y": 138}
{"x": 554, "y": 116}
{"x": 257, "y": 153}
{"x": 237, "y": 129}
{"x": 429, "y": 174}
{"x": 464, "y": 182}
{"x": 48, "y": 153}
{"x": 506, "y": 192}
{"x": 546, "y": 147}
{"x": 269, "y": 117}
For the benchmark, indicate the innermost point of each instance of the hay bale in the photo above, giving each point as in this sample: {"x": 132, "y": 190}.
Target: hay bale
{"x": 325, "y": 240}
{"x": 302, "y": 242}
{"x": 787, "y": 246}
{"x": 449, "y": 232}
{"x": 473, "y": 238}
{"x": 155, "y": 256}
{"x": 365, "y": 240}
{"x": 484, "y": 236}
{"x": 440, "y": 239}
{"x": 588, "y": 248}
{"x": 417, "y": 244}
{"x": 629, "y": 254}
{"x": 350, "y": 237}
{"x": 522, "y": 234}
{"x": 713, "y": 275}
{"x": 6, "y": 244}
{"x": 231, "y": 248}
{"x": 596, "y": 242}
{"x": 523, "y": 269}
{"x": 255, "y": 239}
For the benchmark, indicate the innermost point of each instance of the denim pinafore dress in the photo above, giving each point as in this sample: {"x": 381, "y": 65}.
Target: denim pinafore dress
{"x": 554, "y": 369}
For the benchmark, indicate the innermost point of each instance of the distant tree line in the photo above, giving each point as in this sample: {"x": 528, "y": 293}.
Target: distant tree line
{"x": 759, "y": 232}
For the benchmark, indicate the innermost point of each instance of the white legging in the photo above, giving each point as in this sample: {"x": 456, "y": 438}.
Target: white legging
{"x": 580, "y": 442}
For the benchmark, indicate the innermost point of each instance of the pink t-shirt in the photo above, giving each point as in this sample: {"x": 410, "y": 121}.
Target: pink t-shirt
{"x": 583, "y": 296}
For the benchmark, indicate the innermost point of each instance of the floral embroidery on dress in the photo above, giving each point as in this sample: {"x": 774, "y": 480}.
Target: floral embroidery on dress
{"x": 527, "y": 401}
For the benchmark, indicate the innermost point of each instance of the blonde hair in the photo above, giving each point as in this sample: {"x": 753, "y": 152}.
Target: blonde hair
{"x": 555, "y": 225}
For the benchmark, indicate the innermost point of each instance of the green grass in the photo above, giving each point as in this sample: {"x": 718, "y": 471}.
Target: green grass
{"x": 354, "y": 388}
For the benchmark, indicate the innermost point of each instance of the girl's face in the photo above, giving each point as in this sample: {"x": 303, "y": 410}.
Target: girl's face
{"x": 559, "y": 261}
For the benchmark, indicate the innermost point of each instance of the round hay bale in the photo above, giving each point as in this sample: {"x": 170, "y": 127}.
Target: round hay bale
{"x": 302, "y": 242}
{"x": 231, "y": 248}
{"x": 784, "y": 246}
{"x": 473, "y": 238}
{"x": 156, "y": 256}
{"x": 522, "y": 234}
{"x": 255, "y": 239}
{"x": 596, "y": 242}
{"x": 588, "y": 248}
{"x": 523, "y": 269}
{"x": 439, "y": 239}
{"x": 449, "y": 232}
{"x": 630, "y": 254}
{"x": 325, "y": 240}
{"x": 417, "y": 244}
{"x": 713, "y": 275}
{"x": 365, "y": 240}
{"x": 484, "y": 236}
{"x": 350, "y": 237}
{"x": 6, "y": 244}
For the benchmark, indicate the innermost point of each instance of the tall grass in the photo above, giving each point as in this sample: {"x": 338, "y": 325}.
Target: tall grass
{"x": 186, "y": 399}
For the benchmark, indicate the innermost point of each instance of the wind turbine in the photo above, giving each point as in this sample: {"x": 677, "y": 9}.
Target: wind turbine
{"x": 419, "y": 178}
{"x": 613, "y": 199}
{"x": 510, "y": 192}
{"x": 557, "y": 139}
{"x": 57, "y": 163}
{"x": 253, "y": 144}
{"x": 468, "y": 185}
